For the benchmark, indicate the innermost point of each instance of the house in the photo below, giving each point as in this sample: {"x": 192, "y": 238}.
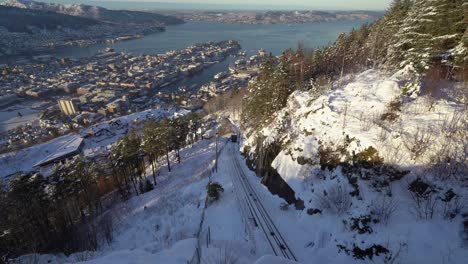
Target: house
{"x": 66, "y": 149}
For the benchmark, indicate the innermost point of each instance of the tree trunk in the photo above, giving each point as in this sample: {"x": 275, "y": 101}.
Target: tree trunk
{"x": 168, "y": 162}
{"x": 133, "y": 180}
{"x": 154, "y": 172}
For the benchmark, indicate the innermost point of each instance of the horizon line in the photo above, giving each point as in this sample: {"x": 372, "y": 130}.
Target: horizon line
{"x": 209, "y": 6}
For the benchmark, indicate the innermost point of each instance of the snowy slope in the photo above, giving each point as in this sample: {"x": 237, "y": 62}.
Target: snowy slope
{"x": 353, "y": 113}
{"x": 168, "y": 224}
{"x": 159, "y": 226}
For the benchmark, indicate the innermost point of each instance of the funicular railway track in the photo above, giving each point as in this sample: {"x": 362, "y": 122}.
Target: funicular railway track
{"x": 258, "y": 212}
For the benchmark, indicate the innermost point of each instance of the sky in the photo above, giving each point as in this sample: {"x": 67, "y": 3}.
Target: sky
{"x": 240, "y": 4}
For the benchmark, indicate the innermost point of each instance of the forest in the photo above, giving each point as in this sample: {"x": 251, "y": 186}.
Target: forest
{"x": 66, "y": 212}
{"x": 428, "y": 37}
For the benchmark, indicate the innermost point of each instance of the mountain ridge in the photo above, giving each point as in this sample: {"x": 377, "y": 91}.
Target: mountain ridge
{"x": 97, "y": 13}
{"x": 9, "y": 17}
{"x": 279, "y": 17}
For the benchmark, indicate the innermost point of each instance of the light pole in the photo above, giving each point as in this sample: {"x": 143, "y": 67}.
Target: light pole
{"x": 216, "y": 159}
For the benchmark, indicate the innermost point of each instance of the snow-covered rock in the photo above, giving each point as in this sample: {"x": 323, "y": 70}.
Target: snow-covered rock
{"x": 371, "y": 110}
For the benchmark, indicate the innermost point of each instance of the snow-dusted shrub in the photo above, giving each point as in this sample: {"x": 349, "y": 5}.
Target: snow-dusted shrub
{"x": 330, "y": 156}
{"x": 453, "y": 204}
{"x": 365, "y": 123}
{"x": 449, "y": 163}
{"x": 303, "y": 160}
{"x": 214, "y": 189}
{"x": 383, "y": 208}
{"x": 383, "y": 135}
{"x": 368, "y": 158}
{"x": 389, "y": 116}
{"x": 312, "y": 211}
{"x": 365, "y": 253}
{"x": 449, "y": 160}
{"x": 361, "y": 224}
{"x": 336, "y": 199}
{"x": 392, "y": 153}
{"x": 329, "y": 159}
{"x": 224, "y": 255}
{"x": 417, "y": 143}
{"x": 376, "y": 119}
{"x": 424, "y": 198}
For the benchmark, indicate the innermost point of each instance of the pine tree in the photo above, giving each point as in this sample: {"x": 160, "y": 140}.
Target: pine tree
{"x": 415, "y": 40}
{"x": 258, "y": 104}
{"x": 164, "y": 132}
{"x": 30, "y": 224}
{"x": 281, "y": 84}
{"x": 180, "y": 130}
{"x": 127, "y": 159}
{"x": 150, "y": 145}
{"x": 385, "y": 50}
{"x": 193, "y": 126}
{"x": 430, "y": 29}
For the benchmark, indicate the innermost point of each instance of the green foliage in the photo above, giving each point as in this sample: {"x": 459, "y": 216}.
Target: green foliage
{"x": 370, "y": 156}
{"x": 50, "y": 214}
{"x": 53, "y": 214}
{"x": 330, "y": 157}
{"x": 301, "y": 160}
{"x": 213, "y": 190}
{"x": 270, "y": 92}
{"x": 430, "y": 29}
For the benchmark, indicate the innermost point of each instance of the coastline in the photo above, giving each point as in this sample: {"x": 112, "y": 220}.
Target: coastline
{"x": 79, "y": 43}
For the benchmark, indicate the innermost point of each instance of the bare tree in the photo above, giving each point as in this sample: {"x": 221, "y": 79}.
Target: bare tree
{"x": 417, "y": 143}
{"x": 383, "y": 208}
{"x": 424, "y": 198}
{"x": 336, "y": 199}
{"x": 365, "y": 122}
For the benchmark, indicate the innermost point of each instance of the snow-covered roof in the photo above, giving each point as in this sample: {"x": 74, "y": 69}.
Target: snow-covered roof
{"x": 69, "y": 146}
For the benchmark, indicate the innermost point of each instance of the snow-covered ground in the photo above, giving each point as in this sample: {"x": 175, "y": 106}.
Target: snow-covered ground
{"x": 9, "y": 118}
{"x": 159, "y": 226}
{"x": 225, "y": 232}
{"x": 171, "y": 224}
{"x": 353, "y": 114}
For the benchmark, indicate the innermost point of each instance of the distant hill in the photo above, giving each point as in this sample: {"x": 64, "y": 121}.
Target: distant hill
{"x": 10, "y": 17}
{"x": 278, "y": 17}
{"x": 97, "y": 13}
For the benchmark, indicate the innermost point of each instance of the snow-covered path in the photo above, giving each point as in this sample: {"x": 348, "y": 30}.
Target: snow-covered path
{"x": 239, "y": 226}
{"x": 225, "y": 233}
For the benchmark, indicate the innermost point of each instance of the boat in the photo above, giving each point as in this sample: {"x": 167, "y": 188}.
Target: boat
{"x": 183, "y": 89}
{"x": 221, "y": 75}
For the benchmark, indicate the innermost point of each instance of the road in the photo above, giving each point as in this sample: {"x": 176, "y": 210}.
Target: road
{"x": 254, "y": 209}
